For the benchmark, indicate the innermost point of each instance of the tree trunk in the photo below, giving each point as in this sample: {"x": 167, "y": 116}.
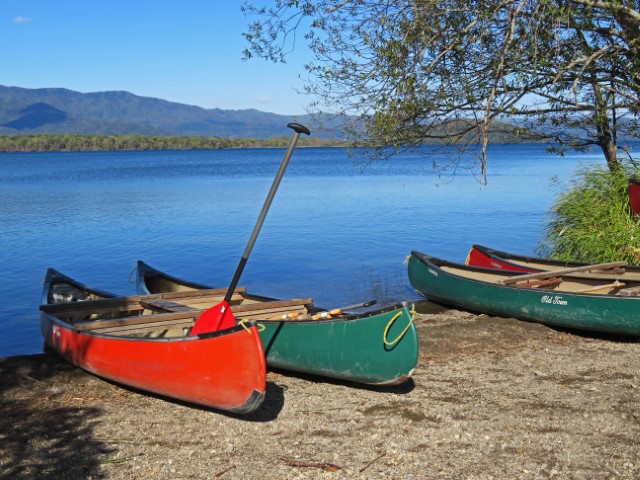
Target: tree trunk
{"x": 610, "y": 150}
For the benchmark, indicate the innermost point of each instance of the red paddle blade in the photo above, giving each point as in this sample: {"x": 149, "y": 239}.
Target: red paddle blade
{"x": 215, "y": 318}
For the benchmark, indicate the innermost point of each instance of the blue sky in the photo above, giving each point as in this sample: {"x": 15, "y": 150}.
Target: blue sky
{"x": 182, "y": 51}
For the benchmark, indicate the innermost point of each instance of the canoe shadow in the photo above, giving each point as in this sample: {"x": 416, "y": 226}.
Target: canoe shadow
{"x": 268, "y": 410}
{"x": 403, "y": 388}
{"x": 275, "y": 394}
{"x": 609, "y": 337}
{"x": 274, "y": 399}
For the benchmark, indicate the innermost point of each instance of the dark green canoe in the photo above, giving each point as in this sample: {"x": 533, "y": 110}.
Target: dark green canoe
{"x": 374, "y": 347}
{"x": 581, "y": 303}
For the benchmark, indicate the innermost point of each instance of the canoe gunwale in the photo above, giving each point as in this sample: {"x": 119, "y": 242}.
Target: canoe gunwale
{"x": 535, "y": 263}
{"x": 97, "y": 333}
{"x": 144, "y": 270}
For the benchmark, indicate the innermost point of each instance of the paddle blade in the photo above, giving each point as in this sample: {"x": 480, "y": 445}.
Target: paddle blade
{"x": 215, "y": 318}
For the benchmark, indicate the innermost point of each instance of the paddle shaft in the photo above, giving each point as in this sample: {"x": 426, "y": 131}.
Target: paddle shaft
{"x": 327, "y": 313}
{"x": 298, "y": 129}
{"x": 353, "y": 307}
{"x": 338, "y": 311}
{"x": 564, "y": 271}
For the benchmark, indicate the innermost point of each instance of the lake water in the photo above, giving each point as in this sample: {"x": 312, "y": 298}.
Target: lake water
{"x": 336, "y": 231}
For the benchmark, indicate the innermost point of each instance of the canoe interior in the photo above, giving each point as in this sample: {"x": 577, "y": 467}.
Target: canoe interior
{"x": 166, "y": 315}
{"x": 169, "y": 314}
{"x": 151, "y": 281}
{"x": 67, "y": 292}
{"x": 540, "y": 264}
{"x": 569, "y": 283}
{"x": 157, "y": 283}
{"x": 630, "y": 272}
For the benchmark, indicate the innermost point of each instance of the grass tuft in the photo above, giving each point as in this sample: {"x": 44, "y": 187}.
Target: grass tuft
{"x": 591, "y": 219}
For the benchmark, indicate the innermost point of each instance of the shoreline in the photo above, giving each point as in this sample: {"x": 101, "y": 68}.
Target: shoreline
{"x": 490, "y": 398}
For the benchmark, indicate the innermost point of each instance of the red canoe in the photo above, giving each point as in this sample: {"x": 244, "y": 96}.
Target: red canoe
{"x": 634, "y": 195}
{"x": 131, "y": 341}
{"x": 480, "y": 256}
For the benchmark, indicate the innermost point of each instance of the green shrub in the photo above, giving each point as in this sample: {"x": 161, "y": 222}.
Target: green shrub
{"x": 591, "y": 220}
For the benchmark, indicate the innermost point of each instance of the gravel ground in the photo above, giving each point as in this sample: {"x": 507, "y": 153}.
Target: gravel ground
{"x": 491, "y": 398}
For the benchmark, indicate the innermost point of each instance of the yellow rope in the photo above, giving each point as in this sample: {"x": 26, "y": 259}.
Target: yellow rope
{"x": 392, "y": 321}
{"x": 261, "y": 327}
{"x": 241, "y": 322}
{"x": 406, "y": 259}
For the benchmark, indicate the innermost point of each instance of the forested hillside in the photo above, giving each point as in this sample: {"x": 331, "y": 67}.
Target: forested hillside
{"x": 58, "y": 110}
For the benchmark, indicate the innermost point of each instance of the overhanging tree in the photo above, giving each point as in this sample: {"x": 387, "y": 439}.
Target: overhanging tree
{"x": 421, "y": 71}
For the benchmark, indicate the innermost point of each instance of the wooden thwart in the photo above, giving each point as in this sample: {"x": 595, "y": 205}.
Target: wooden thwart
{"x": 202, "y": 293}
{"x": 137, "y": 320}
{"x": 190, "y": 303}
{"x": 547, "y": 282}
{"x": 166, "y": 305}
{"x": 557, "y": 273}
{"x": 96, "y": 306}
{"x": 184, "y": 316}
{"x": 135, "y": 302}
{"x": 601, "y": 287}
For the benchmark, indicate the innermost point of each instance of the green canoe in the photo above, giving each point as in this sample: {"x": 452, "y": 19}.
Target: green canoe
{"x": 544, "y": 297}
{"x": 374, "y": 347}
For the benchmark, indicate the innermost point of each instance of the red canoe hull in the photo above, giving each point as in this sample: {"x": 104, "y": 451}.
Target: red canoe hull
{"x": 634, "y": 195}
{"x": 225, "y": 370}
{"x": 478, "y": 258}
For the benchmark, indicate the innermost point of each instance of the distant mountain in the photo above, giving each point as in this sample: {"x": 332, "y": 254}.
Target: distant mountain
{"x": 58, "y": 110}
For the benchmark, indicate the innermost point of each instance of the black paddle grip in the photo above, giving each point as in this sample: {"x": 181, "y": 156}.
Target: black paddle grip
{"x": 235, "y": 279}
{"x": 299, "y": 128}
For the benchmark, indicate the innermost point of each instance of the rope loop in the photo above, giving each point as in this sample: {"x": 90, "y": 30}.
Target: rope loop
{"x": 392, "y": 321}
{"x": 259, "y": 326}
{"x": 132, "y": 280}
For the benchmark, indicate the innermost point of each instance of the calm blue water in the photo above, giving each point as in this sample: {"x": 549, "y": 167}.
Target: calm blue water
{"x": 336, "y": 231}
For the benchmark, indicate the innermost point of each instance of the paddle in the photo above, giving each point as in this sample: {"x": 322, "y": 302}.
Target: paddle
{"x": 327, "y": 313}
{"x": 220, "y": 316}
{"x": 338, "y": 311}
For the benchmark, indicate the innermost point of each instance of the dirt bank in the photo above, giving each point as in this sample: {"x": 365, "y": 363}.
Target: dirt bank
{"x": 491, "y": 398}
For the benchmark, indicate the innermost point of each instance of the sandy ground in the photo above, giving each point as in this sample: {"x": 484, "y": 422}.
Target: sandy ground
{"x": 491, "y": 398}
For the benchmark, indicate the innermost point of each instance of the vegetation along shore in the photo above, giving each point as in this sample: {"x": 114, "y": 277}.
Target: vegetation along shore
{"x": 77, "y": 142}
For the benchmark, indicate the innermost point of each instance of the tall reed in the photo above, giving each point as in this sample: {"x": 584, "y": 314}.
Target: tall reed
{"x": 591, "y": 220}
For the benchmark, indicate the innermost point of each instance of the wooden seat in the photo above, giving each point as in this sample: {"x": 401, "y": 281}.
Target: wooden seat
{"x": 546, "y": 283}
{"x": 615, "y": 284}
{"x": 152, "y": 302}
{"x": 155, "y": 320}
{"x": 558, "y": 273}
{"x": 185, "y": 316}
